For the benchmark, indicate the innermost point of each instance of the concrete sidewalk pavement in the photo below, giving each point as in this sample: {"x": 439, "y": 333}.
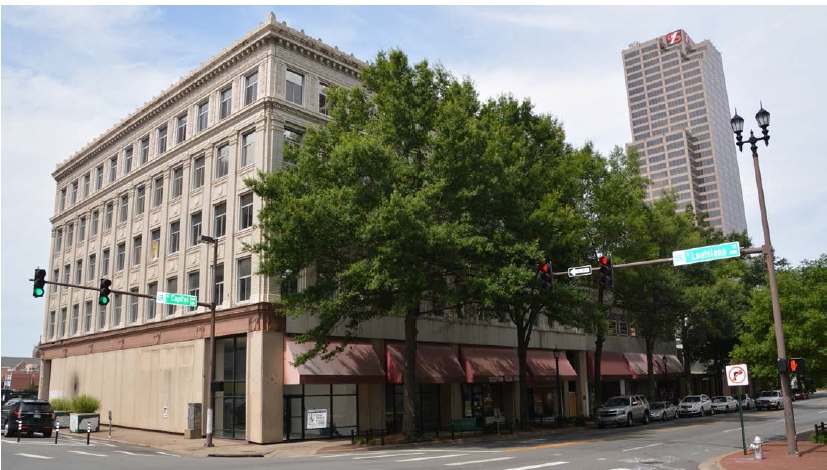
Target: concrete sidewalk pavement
{"x": 810, "y": 457}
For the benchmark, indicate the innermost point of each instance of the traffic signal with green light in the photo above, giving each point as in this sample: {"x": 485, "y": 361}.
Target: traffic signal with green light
{"x": 103, "y": 296}
{"x": 39, "y": 283}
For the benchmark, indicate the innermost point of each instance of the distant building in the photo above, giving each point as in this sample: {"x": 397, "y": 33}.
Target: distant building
{"x": 19, "y": 372}
{"x": 679, "y": 114}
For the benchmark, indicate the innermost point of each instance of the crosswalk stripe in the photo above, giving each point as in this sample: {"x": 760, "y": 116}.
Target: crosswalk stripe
{"x": 166, "y": 453}
{"x": 34, "y": 456}
{"x": 86, "y": 453}
{"x": 542, "y": 465}
{"x": 479, "y": 461}
{"x": 432, "y": 457}
{"x": 127, "y": 453}
{"x": 381, "y": 456}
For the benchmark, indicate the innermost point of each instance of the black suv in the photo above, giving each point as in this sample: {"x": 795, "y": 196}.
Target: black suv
{"x": 34, "y": 416}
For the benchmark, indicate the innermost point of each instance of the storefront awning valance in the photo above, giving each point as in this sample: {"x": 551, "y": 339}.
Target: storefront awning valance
{"x": 435, "y": 363}
{"x": 612, "y": 364}
{"x": 542, "y": 365}
{"x": 672, "y": 362}
{"x": 358, "y": 363}
{"x": 483, "y": 364}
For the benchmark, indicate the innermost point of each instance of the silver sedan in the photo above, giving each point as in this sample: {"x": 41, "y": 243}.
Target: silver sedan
{"x": 724, "y": 404}
{"x": 663, "y": 411}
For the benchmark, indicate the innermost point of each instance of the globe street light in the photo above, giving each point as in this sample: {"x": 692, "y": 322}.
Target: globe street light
{"x": 211, "y": 364}
{"x": 737, "y": 123}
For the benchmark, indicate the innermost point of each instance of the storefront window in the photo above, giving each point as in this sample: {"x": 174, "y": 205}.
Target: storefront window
{"x": 230, "y": 404}
{"x": 482, "y": 400}
{"x": 427, "y": 402}
{"x": 337, "y": 402}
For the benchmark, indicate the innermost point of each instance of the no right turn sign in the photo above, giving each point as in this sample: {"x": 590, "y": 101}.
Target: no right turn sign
{"x": 736, "y": 375}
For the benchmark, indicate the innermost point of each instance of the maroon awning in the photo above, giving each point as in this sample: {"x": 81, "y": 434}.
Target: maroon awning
{"x": 358, "y": 363}
{"x": 542, "y": 365}
{"x": 485, "y": 364}
{"x": 612, "y": 364}
{"x": 435, "y": 363}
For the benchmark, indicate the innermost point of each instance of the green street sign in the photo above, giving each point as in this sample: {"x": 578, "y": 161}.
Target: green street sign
{"x": 706, "y": 253}
{"x": 177, "y": 299}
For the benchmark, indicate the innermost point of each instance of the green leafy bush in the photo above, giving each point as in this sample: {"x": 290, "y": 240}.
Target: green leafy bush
{"x": 85, "y": 404}
{"x": 61, "y": 404}
{"x": 820, "y": 439}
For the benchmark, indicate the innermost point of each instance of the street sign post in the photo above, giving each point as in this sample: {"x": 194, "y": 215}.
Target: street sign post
{"x": 706, "y": 253}
{"x": 177, "y": 299}
{"x": 736, "y": 376}
{"x": 580, "y": 271}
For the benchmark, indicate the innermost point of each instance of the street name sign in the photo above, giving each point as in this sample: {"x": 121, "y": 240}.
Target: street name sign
{"x": 580, "y": 271}
{"x": 176, "y": 299}
{"x": 706, "y": 253}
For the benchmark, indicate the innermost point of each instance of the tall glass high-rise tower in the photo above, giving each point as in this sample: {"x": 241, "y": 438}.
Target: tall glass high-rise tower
{"x": 679, "y": 114}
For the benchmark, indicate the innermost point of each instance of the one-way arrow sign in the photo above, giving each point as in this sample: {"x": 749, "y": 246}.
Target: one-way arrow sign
{"x": 580, "y": 271}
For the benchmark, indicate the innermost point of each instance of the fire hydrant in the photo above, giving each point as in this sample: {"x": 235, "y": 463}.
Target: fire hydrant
{"x": 757, "y": 447}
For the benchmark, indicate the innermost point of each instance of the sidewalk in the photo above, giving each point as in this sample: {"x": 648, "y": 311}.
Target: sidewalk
{"x": 810, "y": 457}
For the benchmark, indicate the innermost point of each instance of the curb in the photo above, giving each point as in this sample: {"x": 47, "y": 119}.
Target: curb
{"x": 237, "y": 454}
{"x": 712, "y": 464}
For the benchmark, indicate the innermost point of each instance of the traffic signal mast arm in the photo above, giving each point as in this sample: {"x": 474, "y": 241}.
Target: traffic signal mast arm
{"x": 115, "y": 291}
{"x": 744, "y": 251}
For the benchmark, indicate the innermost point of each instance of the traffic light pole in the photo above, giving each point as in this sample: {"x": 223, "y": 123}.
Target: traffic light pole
{"x": 115, "y": 291}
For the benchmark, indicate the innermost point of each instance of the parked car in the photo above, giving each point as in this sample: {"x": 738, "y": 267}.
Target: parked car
{"x": 747, "y": 402}
{"x": 770, "y": 399}
{"x": 801, "y": 395}
{"x": 624, "y": 410}
{"x": 33, "y": 416}
{"x": 724, "y": 404}
{"x": 699, "y": 405}
{"x": 9, "y": 393}
{"x": 663, "y": 410}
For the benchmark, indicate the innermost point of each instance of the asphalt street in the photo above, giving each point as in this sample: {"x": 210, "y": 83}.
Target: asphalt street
{"x": 680, "y": 444}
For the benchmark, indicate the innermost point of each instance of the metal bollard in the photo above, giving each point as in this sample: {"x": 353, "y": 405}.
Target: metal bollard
{"x": 88, "y": 431}
{"x": 19, "y": 429}
{"x": 352, "y": 437}
{"x": 57, "y": 430}
{"x": 757, "y": 447}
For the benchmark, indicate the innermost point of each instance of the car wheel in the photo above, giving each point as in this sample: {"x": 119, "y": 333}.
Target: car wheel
{"x": 727, "y": 408}
{"x": 629, "y": 420}
{"x": 47, "y": 434}
{"x": 778, "y": 406}
{"x": 7, "y": 432}
{"x": 646, "y": 417}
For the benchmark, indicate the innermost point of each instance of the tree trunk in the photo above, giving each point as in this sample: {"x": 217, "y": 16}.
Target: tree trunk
{"x": 409, "y": 375}
{"x": 687, "y": 373}
{"x": 650, "y": 369}
{"x": 600, "y": 338}
{"x": 522, "y": 354}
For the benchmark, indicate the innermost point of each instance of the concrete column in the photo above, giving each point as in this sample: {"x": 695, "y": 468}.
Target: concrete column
{"x": 45, "y": 379}
{"x": 265, "y": 387}
{"x": 582, "y": 384}
{"x": 622, "y": 387}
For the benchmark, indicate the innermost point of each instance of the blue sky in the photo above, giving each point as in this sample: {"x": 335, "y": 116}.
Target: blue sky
{"x": 71, "y": 73}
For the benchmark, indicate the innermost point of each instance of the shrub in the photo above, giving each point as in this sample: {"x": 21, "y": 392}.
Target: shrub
{"x": 85, "y": 404}
{"x": 61, "y": 404}
{"x": 820, "y": 439}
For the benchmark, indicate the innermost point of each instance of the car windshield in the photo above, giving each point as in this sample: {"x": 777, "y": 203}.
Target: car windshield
{"x": 617, "y": 401}
{"x": 768, "y": 394}
{"x": 657, "y": 406}
{"x": 718, "y": 400}
{"x": 691, "y": 399}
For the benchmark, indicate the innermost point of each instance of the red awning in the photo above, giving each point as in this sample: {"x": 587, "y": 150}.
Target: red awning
{"x": 638, "y": 364}
{"x": 484, "y": 364}
{"x": 435, "y": 363}
{"x": 542, "y": 365}
{"x": 358, "y": 363}
{"x": 672, "y": 361}
{"x": 612, "y": 364}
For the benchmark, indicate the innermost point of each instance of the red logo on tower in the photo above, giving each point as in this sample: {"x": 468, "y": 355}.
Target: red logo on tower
{"x": 674, "y": 37}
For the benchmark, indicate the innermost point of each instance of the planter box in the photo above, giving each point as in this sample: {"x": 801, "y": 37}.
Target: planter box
{"x": 62, "y": 418}
{"x": 78, "y": 422}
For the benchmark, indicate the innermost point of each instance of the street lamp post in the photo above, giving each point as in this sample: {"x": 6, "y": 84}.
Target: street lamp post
{"x": 737, "y": 123}
{"x": 559, "y": 389}
{"x": 666, "y": 371}
{"x": 211, "y": 362}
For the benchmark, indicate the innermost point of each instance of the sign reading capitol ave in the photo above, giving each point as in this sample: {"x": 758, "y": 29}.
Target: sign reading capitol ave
{"x": 177, "y": 299}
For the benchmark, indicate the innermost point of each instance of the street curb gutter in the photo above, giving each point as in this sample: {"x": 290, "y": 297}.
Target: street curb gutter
{"x": 237, "y": 454}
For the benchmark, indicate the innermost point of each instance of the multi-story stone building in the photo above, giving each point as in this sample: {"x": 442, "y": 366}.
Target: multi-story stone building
{"x": 131, "y": 207}
{"x": 679, "y": 115}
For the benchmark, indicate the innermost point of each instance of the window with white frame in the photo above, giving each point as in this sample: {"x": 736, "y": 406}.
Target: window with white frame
{"x": 105, "y": 263}
{"x": 82, "y": 229}
{"x": 87, "y": 317}
{"x": 154, "y": 244}
{"x": 323, "y": 99}
{"x": 250, "y": 88}
{"x": 90, "y": 267}
{"x": 226, "y": 103}
{"x": 74, "y": 194}
{"x": 180, "y": 128}
{"x": 78, "y": 271}
{"x": 245, "y": 214}
{"x": 108, "y": 215}
{"x": 67, "y": 269}
{"x": 158, "y": 191}
{"x": 51, "y": 334}
{"x": 172, "y": 287}
{"x": 101, "y": 317}
{"x": 133, "y": 305}
{"x": 123, "y": 211}
{"x": 137, "y": 248}
{"x": 58, "y": 239}
{"x": 116, "y": 311}
{"x": 127, "y": 160}
{"x": 219, "y": 220}
{"x": 152, "y": 289}
{"x": 61, "y": 330}
{"x": 219, "y": 284}
{"x": 98, "y": 177}
{"x": 177, "y": 182}
{"x": 120, "y": 261}
{"x": 70, "y": 235}
{"x": 248, "y": 148}
{"x": 162, "y": 139}
{"x": 140, "y": 196}
{"x": 222, "y": 161}
{"x": 195, "y": 228}
{"x": 55, "y": 276}
{"x": 93, "y": 223}
{"x": 295, "y": 87}
{"x": 292, "y": 140}
{"x": 203, "y": 116}
{"x": 245, "y": 279}
{"x": 87, "y": 182}
{"x": 62, "y": 200}
{"x": 73, "y": 326}
{"x": 197, "y": 172}
{"x": 174, "y": 236}
{"x": 193, "y": 281}
{"x": 144, "y": 150}
{"x": 113, "y": 168}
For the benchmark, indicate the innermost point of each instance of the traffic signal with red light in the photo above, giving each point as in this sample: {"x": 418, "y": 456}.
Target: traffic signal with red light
{"x": 39, "y": 283}
{"x": 606, "y": 278}
{"x": 798, "y": 365}
{"x": 105, "y": 292}
{"x": 544, "y": 273}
